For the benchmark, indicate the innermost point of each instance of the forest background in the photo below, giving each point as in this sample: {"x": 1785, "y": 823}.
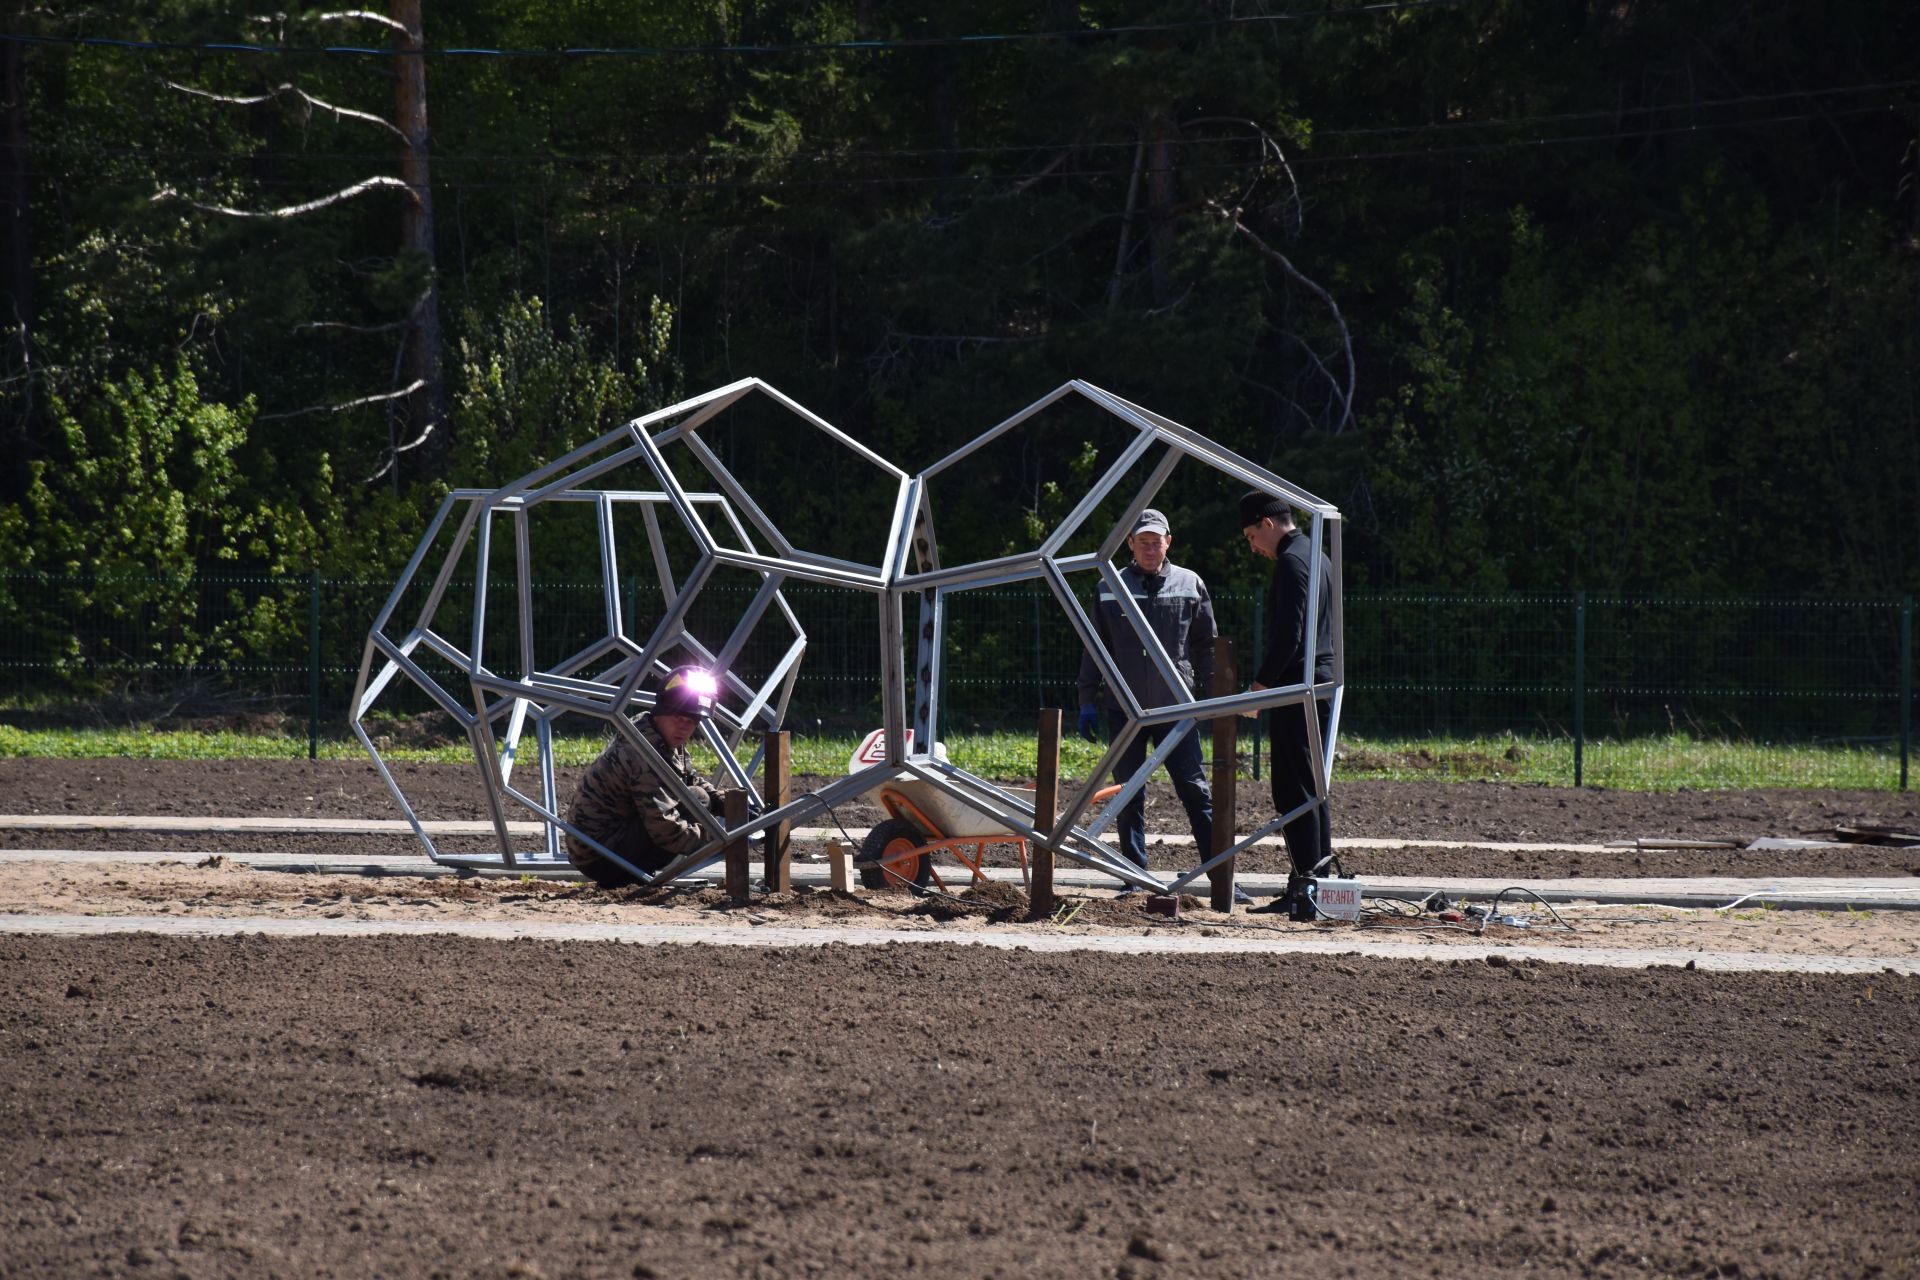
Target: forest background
{"x": 1601, "y": 296}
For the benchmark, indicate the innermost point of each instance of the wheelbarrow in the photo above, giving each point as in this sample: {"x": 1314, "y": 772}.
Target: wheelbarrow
{"x": 922, "y": 820}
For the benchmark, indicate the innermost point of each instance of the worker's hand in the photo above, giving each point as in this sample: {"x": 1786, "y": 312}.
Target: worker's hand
{"x": 1090, "y": 723}
{"x": 1255, "y": 687}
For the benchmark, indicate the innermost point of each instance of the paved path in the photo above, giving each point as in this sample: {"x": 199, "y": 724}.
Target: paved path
{"x": 1816, "y": 893}
{"x": 397, "y": 826}
{"x": 776, "y": 936}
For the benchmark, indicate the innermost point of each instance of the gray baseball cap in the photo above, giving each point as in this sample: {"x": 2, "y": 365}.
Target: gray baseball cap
{"x": 1150, "y": 521}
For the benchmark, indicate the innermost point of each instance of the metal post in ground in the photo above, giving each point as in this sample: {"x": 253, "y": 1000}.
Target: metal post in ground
{"x": 778, "y": 838}
{"x": 313, "y": 664}
{"x": 1906, "y": 687}
{"x": 1579, "y": 686}
{"x": 1226, "y": 775}
{"x": 1259, "y": 641}
{"x": 734, "y": 813}
{"x": 1046, "y": 803}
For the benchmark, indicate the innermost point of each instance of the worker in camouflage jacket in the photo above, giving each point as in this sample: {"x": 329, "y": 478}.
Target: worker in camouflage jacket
{"x": 1178, "y": 608}
{"x": 623, "y": 803}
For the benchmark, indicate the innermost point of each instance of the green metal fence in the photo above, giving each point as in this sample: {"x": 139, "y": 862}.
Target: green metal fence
{"x": 1604, "y": 678}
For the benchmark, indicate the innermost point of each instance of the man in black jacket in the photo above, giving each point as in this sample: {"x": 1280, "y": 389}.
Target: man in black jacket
{"x": 1267, "y": 524}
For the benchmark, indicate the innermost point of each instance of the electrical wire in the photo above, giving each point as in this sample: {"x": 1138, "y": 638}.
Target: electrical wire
{"x": 1126, "y": 145}
{"x": 1495, "y": 906}
{"x": 738, "y": 50}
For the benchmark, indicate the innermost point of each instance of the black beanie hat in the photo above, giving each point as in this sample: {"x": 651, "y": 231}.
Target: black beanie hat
{"x": 1256, "y": 505}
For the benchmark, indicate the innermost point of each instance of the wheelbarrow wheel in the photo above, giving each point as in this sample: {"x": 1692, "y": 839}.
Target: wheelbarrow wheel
{"x": 889, "y": 848}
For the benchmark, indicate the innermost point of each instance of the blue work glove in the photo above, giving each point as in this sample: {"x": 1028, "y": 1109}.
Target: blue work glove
{"x": 1090, "y": 723}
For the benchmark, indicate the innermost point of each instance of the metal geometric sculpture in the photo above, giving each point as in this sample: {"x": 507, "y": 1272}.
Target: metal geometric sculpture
{"x": 606, "y": 678}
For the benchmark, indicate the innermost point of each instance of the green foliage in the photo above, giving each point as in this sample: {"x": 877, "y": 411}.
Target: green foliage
{"x": 1622, "y": 320}
{"x": 144, "y": 485}
{"x": 528, "y": 394}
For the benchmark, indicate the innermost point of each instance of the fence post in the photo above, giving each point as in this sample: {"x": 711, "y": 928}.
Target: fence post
{"x": 1226, "y": 730}
{"x": 1041, "y": 899}
{"x": 1906, "y": 686}
{"x": 1259, "y": 643}
{"x": 313, "y": 664}
{"x": 1579, "y": 686}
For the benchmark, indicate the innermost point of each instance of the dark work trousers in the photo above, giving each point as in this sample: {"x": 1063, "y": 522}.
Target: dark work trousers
{"x": 1189, "y": 776}
{"x": 631, "y": 842}
{"x": 1309, "y": 836}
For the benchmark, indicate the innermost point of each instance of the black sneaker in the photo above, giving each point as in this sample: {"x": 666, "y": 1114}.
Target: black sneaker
{"x": 1280, "y": 906}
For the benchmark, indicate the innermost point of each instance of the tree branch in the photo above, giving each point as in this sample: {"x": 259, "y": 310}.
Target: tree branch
{"x": 344, "y": 405}
{"x": 1232, "y": 219}
{"x": 343, "y": 327}
{"x": 343, "y": 113}
{"x": 1268, "y": 143}
{"x": 362, "y": 15}
{"x": 393, "y": 454}
{"x": 292, "y": 210}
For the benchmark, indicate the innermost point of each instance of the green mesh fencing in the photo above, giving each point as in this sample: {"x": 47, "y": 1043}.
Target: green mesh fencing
{"x": 1611, "y": 690}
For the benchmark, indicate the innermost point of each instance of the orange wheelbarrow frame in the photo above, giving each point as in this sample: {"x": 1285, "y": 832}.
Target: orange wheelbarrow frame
{"x": 969, "y": 851}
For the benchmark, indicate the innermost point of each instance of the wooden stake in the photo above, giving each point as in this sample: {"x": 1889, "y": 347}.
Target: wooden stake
{"x": 840, "y": 859}
{"x": 779, "y": 849}
{"x": 734, "y": 810}
{"x": 1046, "y": 801}
{"x": 1226, "y": 775}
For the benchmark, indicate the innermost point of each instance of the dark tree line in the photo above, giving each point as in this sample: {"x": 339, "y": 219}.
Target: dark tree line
{"x": 1618, "y": 296}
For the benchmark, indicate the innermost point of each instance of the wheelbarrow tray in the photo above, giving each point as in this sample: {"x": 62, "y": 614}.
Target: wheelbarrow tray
{"x": 955, "y": 820}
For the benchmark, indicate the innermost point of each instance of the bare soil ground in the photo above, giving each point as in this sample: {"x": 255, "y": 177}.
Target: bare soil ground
{"x": 445, "y": 1107}
{"x": 442, "y": 1106}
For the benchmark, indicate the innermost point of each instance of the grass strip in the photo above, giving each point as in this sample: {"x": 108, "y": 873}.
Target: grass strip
{"x": 1665, "y": 763}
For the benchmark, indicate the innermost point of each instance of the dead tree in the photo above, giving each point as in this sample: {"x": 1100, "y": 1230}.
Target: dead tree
{"x": 415, "y": 400}
{"x": 18, "y": 438}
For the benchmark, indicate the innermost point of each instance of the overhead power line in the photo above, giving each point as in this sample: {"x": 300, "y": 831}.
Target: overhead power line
{"x": 443, "y": 155}
{"x": 708, "y": 181}
{"x": 708, "y": 50}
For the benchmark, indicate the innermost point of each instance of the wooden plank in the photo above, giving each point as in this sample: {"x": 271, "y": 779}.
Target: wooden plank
{"x": 1046, "y": 802}
{"x": 1226, "y": 775}
{"x": 734, "y": 809}
{"x": 779, "y": 837}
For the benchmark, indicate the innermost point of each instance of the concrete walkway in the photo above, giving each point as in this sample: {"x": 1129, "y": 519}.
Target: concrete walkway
{"x": 774, "y": 936}
{"x": 398, "y": 826}
{"x": 1812, "y": 893}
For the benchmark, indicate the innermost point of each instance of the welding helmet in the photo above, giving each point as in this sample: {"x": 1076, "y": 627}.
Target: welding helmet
{"x": 689, "y": 691}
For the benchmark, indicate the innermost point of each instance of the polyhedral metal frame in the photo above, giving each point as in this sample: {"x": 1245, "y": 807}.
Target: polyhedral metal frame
{"x": 606, "y": 679}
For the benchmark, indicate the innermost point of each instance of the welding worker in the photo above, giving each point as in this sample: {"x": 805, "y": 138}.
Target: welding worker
{"x": 1266, "y": 522}
{"x": 622, "y": 801}
{"x": 1178, "y": 608}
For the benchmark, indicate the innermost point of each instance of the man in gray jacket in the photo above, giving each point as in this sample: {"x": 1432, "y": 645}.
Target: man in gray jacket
{"x": 1178, "y": 608}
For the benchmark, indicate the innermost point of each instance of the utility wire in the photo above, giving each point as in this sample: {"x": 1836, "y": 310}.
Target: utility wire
{"x": 1006, "y": 149}
{"x": 701, "y": 182}
{"x": 709, "y": 50}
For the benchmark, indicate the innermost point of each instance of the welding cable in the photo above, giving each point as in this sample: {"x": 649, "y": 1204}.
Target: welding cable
{"x": 1771, "y": 891}
{"x": 1402, "y": 908}
{"x": 1515, "y": 888}
{"x": 815, "y": 797}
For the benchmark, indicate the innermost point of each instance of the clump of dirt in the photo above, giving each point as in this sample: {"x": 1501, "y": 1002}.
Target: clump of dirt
{"x": 831, "y": 904}
{"x": 996, "y": 903}
{"x": 425, "y": 731}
